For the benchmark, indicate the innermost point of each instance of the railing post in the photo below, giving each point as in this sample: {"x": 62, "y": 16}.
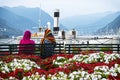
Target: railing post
{"x": 118, "y": 48}
{"x": 59, "y": 48}
{"x": 10, "y": 49}
{"x": 64, "y": 48}
{"x": 69, "y": 48}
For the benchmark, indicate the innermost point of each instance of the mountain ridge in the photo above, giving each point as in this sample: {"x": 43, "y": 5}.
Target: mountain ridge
{"x": 111, "y": 28}
{"x": 21, "y": 18}
{"x": 37, "y": 15}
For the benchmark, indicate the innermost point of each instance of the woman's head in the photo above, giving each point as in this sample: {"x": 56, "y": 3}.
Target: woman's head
{"x": 48, "y": 36}
{"x": 27, "y": 35}
{"x": 48, "y": 33}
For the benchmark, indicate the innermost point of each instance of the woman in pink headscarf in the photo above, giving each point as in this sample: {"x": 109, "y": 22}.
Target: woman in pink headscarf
{"x": 27, "y": 46}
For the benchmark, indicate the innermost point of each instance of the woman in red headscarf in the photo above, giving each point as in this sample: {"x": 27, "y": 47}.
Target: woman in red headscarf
{"x": 47, "y": 50}
{"x": 26, "y": 46}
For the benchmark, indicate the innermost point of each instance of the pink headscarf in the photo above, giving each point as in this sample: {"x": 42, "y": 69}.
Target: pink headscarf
{"x": 27, "y": 35}
{"x": 26, "y": 40}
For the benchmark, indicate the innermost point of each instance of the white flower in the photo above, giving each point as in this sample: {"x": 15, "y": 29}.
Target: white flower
{"x": 104, "y": 79}
{"x": 114, "y": 74}
{"x": 3, "y": 71}
{"x": 118, "y": 69}
{"x": 30, "y": 79}
{"x": 81, "y": 79}
{"x": 116, "y": 65}
{"x": 16, "y": 63}
{"x": 83, "y": 74}
{"x": 11, "y": 78}
{"x": 42, "y": 78}
{"x": 99, "y": 76}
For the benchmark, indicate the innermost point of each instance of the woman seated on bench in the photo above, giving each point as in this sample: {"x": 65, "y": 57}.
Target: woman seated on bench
{"x": 47, "y": 50}
{"x": 27, "y": 46}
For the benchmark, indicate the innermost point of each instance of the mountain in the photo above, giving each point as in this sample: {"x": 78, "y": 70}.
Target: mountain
{"x": 6, "y": 31}
{"x": 93, "y": 27}
{"x": 80, "y": 20}
{"x": 16, "y": 21}
{"x": 37, "y": 15}
{"x": 111, "y": 28}
{"x": 34, "y": 14}
{"x": 87, "y": 24}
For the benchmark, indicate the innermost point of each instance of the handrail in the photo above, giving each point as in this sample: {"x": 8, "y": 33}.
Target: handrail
{"x": 61, "y": 48}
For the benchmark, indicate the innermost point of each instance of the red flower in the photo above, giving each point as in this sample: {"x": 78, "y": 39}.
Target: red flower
{"x": 19, "y": 73}
{"x": 67, "y": 71}
{"x": 2, "y": 75}
{"x": 9, "y": 60}
{"x": 90, "y": 71}
{"x": 110, "y": 77}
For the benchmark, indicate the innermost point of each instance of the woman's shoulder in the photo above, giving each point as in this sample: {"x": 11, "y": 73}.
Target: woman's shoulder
{"x": 27, "y": 42}
{"x": 32, "y": 41}
{"x": 47, "y": 41}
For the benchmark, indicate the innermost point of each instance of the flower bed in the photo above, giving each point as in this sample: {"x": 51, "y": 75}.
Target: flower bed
{"x": 93, "y": 66}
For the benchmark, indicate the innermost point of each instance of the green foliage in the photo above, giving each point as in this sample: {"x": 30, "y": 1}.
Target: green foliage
{"x": 105, "y": 49}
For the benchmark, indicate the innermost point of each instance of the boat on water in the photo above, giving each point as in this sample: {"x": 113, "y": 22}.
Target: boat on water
{"x": 106, "y": 39}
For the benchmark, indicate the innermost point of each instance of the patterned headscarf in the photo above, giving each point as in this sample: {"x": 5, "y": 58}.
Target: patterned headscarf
{"x": 48, "y": 36}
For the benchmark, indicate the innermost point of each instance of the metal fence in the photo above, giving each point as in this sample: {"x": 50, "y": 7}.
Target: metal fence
{"x": 77, "y": 48}
{"x": 61, "y": 48}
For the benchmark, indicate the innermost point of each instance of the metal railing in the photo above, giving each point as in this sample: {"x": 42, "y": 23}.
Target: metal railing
{"x": 61, "y": 48}
{"x": 77, "y": 48}
{"x": 14, "y": 48}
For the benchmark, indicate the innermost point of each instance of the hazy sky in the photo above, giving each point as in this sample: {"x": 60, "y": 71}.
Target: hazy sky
{"x": 67, "y": 7}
